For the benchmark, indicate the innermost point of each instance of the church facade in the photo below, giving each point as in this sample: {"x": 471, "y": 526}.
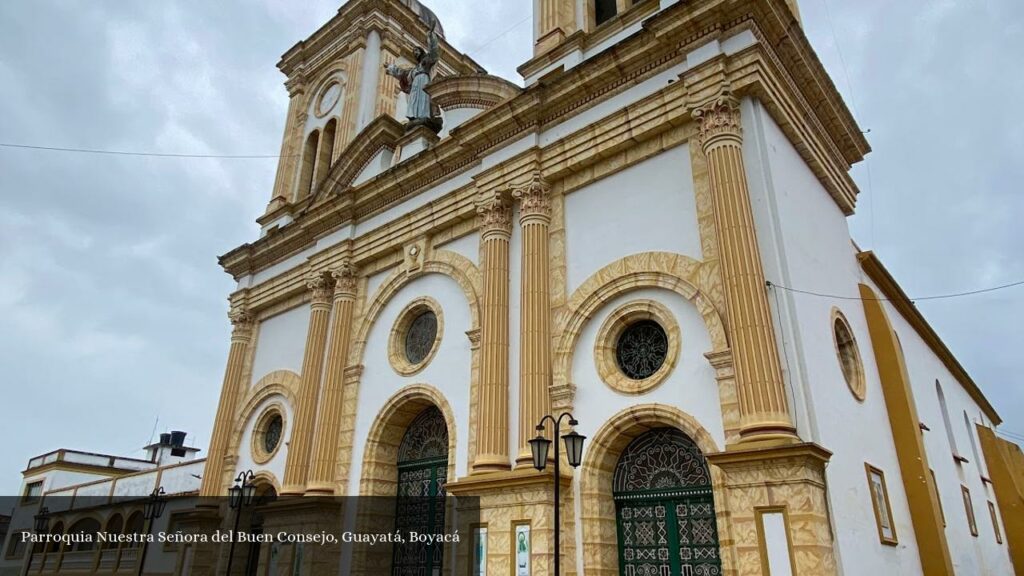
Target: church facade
{"x": 619, "y": 239}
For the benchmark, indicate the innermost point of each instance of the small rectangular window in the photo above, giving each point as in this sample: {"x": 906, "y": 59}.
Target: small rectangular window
{"x": 969, "y": 508}
{"x": 16, "y": 546}
{"x": 604, "y": 10}
{"x": 995, "y": 521}
{"x": 33, "y": 490}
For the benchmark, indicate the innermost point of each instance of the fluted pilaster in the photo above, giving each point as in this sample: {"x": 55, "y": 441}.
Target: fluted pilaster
{"x": 297, "y": 465}
{"x": 556, "y": 19}
{"x": 241, "y": 337}
{"x": 535, "y": 313}
{"x": 495, "y": 214}
{"x": 328, "y": 424}
{"x": 764, "y": 411}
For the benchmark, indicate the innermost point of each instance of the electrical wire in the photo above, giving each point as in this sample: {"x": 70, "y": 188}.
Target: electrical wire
{"x": 129, "y": 153}
{"x": 938, "y": 297}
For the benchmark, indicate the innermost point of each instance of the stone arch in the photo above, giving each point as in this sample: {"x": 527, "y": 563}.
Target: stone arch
{"x": 283, "y": 383}
{"x": 680, "y": 274}
{"x": 597, "y": 516}
{"x": 379, "y": 473}
{"x": 444, "y": 262}
{"x": 380, "y": 457}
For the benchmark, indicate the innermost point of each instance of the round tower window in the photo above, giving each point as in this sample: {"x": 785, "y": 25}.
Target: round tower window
{"x": 419, "y": 340}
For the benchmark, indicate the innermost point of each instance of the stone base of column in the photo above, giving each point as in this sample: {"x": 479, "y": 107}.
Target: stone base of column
{"x": 490, "y": 464}
{"x": 320, "y": 489}
{"x": 509, "y": 499}
{"x": 790, "y": 479}
{"x": 204, "y": 519}
{"x": 302, "y": 516}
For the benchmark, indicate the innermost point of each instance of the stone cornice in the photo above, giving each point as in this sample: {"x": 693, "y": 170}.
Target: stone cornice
{"x": 821, "y": 133}
{"x": 476, "y": 90}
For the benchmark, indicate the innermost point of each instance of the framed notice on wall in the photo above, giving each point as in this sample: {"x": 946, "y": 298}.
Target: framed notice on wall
{"x": 880, "y": 503}
{"x": 521, "y": 549}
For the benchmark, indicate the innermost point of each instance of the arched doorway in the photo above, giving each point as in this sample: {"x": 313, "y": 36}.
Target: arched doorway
{"x": 664, "y": 508}
{"x": 420, "y": 506}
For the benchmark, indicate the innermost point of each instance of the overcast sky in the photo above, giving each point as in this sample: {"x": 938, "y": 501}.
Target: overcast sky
{"x": 112, "y": 305}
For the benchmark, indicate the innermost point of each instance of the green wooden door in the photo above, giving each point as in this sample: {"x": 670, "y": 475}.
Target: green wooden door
{"x": 420, "y": 502}
{"x": 665, "y": 508}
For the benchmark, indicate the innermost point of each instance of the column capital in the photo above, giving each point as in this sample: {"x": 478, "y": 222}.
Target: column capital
{"x": 495, "y": 212}
{"x": 346, "y": 280}
{"x": 719, "y": 121}
{"x": 243, "y": 321}
{"x": 320, "y": 284}
{"x": 535, "y": 200}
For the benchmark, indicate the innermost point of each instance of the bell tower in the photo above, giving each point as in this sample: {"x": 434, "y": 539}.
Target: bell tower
{"x": 337, "y": 87}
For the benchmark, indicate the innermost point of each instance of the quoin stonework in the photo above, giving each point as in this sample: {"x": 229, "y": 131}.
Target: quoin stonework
{"x": 447, "y": 256}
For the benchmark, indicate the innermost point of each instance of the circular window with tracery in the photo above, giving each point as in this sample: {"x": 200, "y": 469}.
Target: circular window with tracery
{"x": 848, "y": 355}
{"x": 416, "y": 336}
{"x": 637, "y": 346}
{"x": 267, "y": 435}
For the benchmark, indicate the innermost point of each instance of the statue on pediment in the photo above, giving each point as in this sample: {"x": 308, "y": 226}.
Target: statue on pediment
{"x": 413, "y": 81}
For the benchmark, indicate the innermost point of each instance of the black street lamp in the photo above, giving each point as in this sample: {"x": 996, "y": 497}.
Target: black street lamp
{"x": 239, "y": 496}
{"x": 41, "y": 526}
{"x": 154, "y": 509}
{"x": 539, "y": 446}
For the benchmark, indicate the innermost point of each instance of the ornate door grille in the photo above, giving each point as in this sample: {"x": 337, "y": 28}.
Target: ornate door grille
{"x": 665, "y": 508}
{"x": 422, "y": 473}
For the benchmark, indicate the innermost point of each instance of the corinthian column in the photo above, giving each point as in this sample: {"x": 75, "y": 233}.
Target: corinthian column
{"x": 764, "y": 411}
{"x": 328, "y": 425}
{"x": 297, "y": 464}
{"x": 535, "y": 313}
{"x": 241, "y": 336}
{"x": 491, "y": 455}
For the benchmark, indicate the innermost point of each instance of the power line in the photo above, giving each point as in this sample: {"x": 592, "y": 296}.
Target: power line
{"x": 128, "y": 153}
{"x": 494, "y": 39}
{"x": 938, "y": 297}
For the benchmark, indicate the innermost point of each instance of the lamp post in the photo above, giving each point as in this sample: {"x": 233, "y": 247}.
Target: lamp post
{"x": 239, "y": 496}
{"x": 573, "y": 454}
{"x": 154, "y": 509}
{"x": 41, "y": 526}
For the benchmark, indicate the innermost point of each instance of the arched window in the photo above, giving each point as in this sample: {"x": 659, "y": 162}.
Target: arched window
{"x": 308, "y": 164}
{"x": 134, "y": 526}
{"x": 114, "y": 526}
{"x": 326, "y": 151}
{"x": 974, "y": 443}
{"x": 664, "y": 507}
{"x": 422, "y": 473}
{"x": 945, "y": 420}
{"x": 54, "y": 545}
{"x": 85, "y": 526}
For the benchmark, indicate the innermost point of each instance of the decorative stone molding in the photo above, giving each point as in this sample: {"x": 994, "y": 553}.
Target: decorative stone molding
{"x": 606, "y": 345}
{"x": 257, "y": 447}
{"x": 598, "y": 516}
{"x": 400, "y": 363}
{"x": 495, "y": 215}
{"x": 719, "y": 120}
{"x": 534, "y": 200}
{"x": 320, "y": 286}
{"x": 346, "y": 280}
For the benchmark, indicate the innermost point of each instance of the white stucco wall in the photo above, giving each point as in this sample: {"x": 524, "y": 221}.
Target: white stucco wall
{"x": 281, "y": 342}
{"x": 467, "y": 246}
{"x": 276, "y": 464}
{"x": 448, "y": 371}
{"x": 805, "y": 244}
{"x": 647, "y": 207}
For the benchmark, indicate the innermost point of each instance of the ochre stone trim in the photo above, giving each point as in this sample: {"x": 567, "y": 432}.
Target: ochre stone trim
{"x": 380, "y": 457}
{"x": 494, "y": 211}
{"x": 257, "y": 447}
{"x": 473, "y": 90}
{"x": 451, "y": 264}
{"x": 606, "y": 345}
{"x": 597, "y": 508}
{"x": 234, "y": 376}
{"x": 925, "y": 514}
{"x": 764, "y": 407}
{"x": 674, "y": 272}
{"x": 399, "y": 332}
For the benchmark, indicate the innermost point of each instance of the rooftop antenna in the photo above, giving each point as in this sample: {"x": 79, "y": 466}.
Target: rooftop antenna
{"x": 153, "y": 433}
